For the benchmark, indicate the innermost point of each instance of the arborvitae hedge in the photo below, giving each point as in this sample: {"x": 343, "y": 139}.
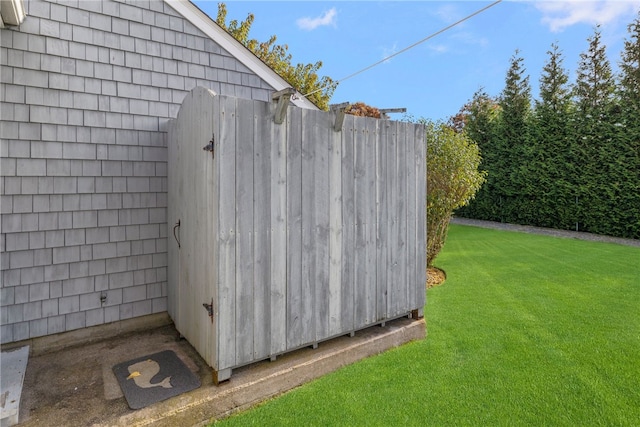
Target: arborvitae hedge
{"x": 570, "y": 161}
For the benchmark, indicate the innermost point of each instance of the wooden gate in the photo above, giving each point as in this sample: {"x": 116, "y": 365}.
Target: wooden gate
{"x": 285, "y": 235}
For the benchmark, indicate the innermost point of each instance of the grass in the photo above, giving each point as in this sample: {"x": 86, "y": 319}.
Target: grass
{"x": 527, "y": 330}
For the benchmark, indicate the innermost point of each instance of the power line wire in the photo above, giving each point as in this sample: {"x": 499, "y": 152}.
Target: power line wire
{"x": 407, "y": 48}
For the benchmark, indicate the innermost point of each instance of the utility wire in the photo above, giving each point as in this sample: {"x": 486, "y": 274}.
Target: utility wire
{"x": 408, "y": 47}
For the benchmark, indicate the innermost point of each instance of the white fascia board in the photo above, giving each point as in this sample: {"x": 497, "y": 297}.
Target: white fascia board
{"x": 12, "y": 12}
{"x": 226, "y": 41}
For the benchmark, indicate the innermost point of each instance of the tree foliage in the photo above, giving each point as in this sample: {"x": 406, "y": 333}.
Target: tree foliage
{"x": 478, "y": 120}
{"x": 303, "y": 77}
{"x": 551, "y": 138}
{"x": 513, "y": 142}
{"x": 363, "y": 110}
{"x": 595, "y": 150}
{"x": 629, "y": 87}
{"x": 571, "y": 159}
{"x": 594, "y": 86}
{"x": 629, "y": 129}
{"x": 453, "y": 178}
{"x": 468, "y": 118}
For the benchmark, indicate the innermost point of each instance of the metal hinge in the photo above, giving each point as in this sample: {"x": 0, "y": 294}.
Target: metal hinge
{"x": 209, "y": 308}
{"x": 210, "y": 146}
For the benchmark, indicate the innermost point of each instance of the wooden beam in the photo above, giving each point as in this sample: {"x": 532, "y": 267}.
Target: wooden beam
{"x": 221, "y": 375}
{"x": 384, "y": 111}
{"x": 393, "y": 110}
{"x": 339, "y": 109}
{"x": 283, "y": 97}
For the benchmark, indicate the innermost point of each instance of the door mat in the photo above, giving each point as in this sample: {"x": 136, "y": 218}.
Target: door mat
{"x": 150, "y": 379}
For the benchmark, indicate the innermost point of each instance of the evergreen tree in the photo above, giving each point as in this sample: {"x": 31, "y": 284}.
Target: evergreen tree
{"x": 629, "y": 86}
{"x": 515, "y": 188}
{"x": 477, "y": 119}
{"x": 574, "y": 162}
{"x": 555, "y": 93}
{"x": 551, "y": 162}
{"x": 594, "y": 149}
{"x": 303, "y": 77}
{"x": 595, "y": 85}
{"x": 629, "y": 127}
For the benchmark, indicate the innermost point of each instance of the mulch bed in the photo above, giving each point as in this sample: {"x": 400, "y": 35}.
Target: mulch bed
{"x": 435, "y": 277}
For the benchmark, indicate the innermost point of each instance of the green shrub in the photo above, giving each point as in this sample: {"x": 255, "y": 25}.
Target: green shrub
{"x": 453, "y": 179}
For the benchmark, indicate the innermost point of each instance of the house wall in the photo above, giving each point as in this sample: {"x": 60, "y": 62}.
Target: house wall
{"x": 87, "y": 89}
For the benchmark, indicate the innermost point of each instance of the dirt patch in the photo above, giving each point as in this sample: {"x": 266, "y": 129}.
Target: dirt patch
{"x": 435, "y": 277}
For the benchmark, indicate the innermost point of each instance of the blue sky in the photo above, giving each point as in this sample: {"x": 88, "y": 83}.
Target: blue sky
{"x": 435, "y": 78}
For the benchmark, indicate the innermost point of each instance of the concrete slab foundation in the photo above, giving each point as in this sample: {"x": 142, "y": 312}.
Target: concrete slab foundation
{"x": 75, "y": 385}
{"x": 13, "y": 365}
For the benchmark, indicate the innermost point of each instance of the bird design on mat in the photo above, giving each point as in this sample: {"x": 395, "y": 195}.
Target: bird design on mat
{"x": 143, "y": 372}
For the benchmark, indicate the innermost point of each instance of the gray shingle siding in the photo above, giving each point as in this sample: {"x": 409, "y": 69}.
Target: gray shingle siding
{"x": 87, "y": 88}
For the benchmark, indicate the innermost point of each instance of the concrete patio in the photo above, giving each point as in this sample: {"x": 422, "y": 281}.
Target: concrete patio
{"x": 68, "y": 384}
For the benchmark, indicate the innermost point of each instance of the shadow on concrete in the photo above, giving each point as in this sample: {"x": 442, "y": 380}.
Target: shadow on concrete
{"x": 76, "y": 385}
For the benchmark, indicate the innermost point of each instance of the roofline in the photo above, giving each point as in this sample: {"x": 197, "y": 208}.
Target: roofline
{"x": 204, "y": 23}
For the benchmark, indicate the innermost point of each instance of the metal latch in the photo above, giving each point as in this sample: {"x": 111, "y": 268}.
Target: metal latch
{"x": 174, "y": 233}
{"x": 210, "y": 146}
{"x": 209, "y": 308}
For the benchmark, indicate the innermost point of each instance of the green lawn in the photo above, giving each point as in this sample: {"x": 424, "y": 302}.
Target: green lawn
{"x": 527, "y": 330}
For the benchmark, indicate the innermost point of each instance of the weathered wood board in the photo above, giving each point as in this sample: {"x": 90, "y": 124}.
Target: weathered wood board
{"x": 294, "y": 233}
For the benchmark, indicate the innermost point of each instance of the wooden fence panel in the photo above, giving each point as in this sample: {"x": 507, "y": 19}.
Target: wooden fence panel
{"x": 410, "y": 173}
{"x": 322, "y": 125}
{"x": 382, "y": 213}
{"x": 312, "y": 232}
{"x": 244, "y": 231}
{"x": 348, "y": 224}
{"x": 391, "y": 235}
{"x": 420, "y": 257}
{"x": 191, "y": 266}
{"x": 262, "y": 231}
{"x": 226, "y": 283}
{"x": 401, "y": 161}
{"x": 335, "y": 232}
{"x": 309, "y": 211}
{"x": 278, "y": 243}
{"x": 365, "y": 223}
{"x": 294, "y": 229}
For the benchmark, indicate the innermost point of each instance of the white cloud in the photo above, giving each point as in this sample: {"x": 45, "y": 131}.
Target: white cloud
{"x": 457, "y": 39}
{"x": 438, "y": 48}
{"x": 448, "y": 13}
{"x": 559, "y": 15}
{"x": 470, "y": 39}
{"x": 386, "y": 52}
{"x": 327, "y": 18}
